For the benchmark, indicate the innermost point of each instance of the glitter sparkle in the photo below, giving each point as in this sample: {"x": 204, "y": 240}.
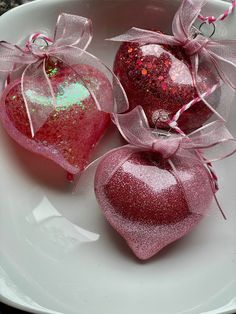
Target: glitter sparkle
{"x": 71, "y": 131}
{"x": 158, "y": 77}
{"x": 155, "y": 208}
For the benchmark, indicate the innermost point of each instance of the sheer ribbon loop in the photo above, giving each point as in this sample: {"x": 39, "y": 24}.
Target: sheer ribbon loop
{"x": 135, "y": 129}
{"x": 194, "y": 46}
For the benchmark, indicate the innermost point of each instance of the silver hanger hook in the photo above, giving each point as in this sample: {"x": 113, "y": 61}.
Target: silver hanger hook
{"x": 213, "y": 30}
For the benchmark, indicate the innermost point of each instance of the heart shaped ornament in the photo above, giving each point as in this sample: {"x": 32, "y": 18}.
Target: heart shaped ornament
{"x": 144, "y": 200}
{"x": 158, "y": 77}
{"x": 58, "y": 97}
{"x": 73, "y": 128}
{"x": 186, "y": 77}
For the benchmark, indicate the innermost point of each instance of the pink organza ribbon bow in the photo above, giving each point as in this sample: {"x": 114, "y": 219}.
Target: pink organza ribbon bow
{"x": 209, "y": 143}
{"x": 135, "y": 129}
{"x": 220, "y": 53}
{"x": 72, "y": 36}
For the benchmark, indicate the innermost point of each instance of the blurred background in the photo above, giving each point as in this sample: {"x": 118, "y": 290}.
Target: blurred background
{"x": 8, "y": 4}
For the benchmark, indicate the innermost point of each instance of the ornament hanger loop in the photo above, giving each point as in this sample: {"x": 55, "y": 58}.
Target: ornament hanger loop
{"x": 213, "y": 29}
{"x": 38, "y": 43}
{"x": 161, "y": 116}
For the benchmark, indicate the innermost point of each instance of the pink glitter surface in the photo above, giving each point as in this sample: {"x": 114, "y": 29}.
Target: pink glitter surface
{"x": 142, "y": 198}
{"x": 159, "y": 79}
{"x": 73, "y": 129}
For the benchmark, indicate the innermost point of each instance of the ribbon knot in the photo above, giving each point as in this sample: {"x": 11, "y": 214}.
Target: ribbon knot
{"x": 194, "y": 46}
{"x": 39, "y": 45}
{"x": 135, "y": 129}
{"x": 166, "y": 148}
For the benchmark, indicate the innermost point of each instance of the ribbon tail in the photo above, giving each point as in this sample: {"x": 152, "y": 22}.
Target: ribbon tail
{"x": 211, "y": 136}
{"x": 38, "y": 95}
{"x": 145, "y": 37}
{"x": 223, "y": 56}
{"x": 214, "y": 139}
{"x": 194, "y": 144}
{"x": 51, "y": 91}
{"x": 226, "y": 70}
{"x": 228, "y": 152}
{"x": 212, "y": 87}
{"x": 198, "y": 195}
{"x": 219, "y": 207}
{"x": 215, "y": 187}
{"x": 13, "y": 57}
{"x": 85, "y": 173}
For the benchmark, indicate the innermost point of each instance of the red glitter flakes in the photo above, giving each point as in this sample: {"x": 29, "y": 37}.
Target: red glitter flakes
{"x": 153, "y": 210}
{"x": 144, "y": 72}
{"x": 164, "y": 86}
{"x": 158, "y": 77}
{"x": 72, "y": 130}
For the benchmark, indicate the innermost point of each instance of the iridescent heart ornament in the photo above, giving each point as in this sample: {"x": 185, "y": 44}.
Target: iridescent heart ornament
{"x": 164, "y": 73}
{"x": 58, "y": 97}
{"x": 158, "y": 188}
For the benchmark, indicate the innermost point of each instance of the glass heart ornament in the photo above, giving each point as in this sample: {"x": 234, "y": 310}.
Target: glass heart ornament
{"x": 187, "y": 71}
{"x": 58, "y": 97}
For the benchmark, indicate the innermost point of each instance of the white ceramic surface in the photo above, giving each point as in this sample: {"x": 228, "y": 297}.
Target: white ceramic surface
{"x": 58, "y": 255}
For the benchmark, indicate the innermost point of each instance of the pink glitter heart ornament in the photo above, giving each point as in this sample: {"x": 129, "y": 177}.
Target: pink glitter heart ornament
{"x": 144, "y": 200}
{"x": 72, "y": 130}
{"x": 157, "y": 189}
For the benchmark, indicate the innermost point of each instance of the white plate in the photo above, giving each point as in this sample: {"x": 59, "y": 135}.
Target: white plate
{"x": 58, "y": 255}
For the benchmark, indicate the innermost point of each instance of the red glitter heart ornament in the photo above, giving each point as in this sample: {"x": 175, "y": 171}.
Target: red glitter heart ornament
{"x": 143, "y": 199}
{"x": 181, "y": 78}
{"x": 158, "y": 77}
{"x": 72, "y": 130}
